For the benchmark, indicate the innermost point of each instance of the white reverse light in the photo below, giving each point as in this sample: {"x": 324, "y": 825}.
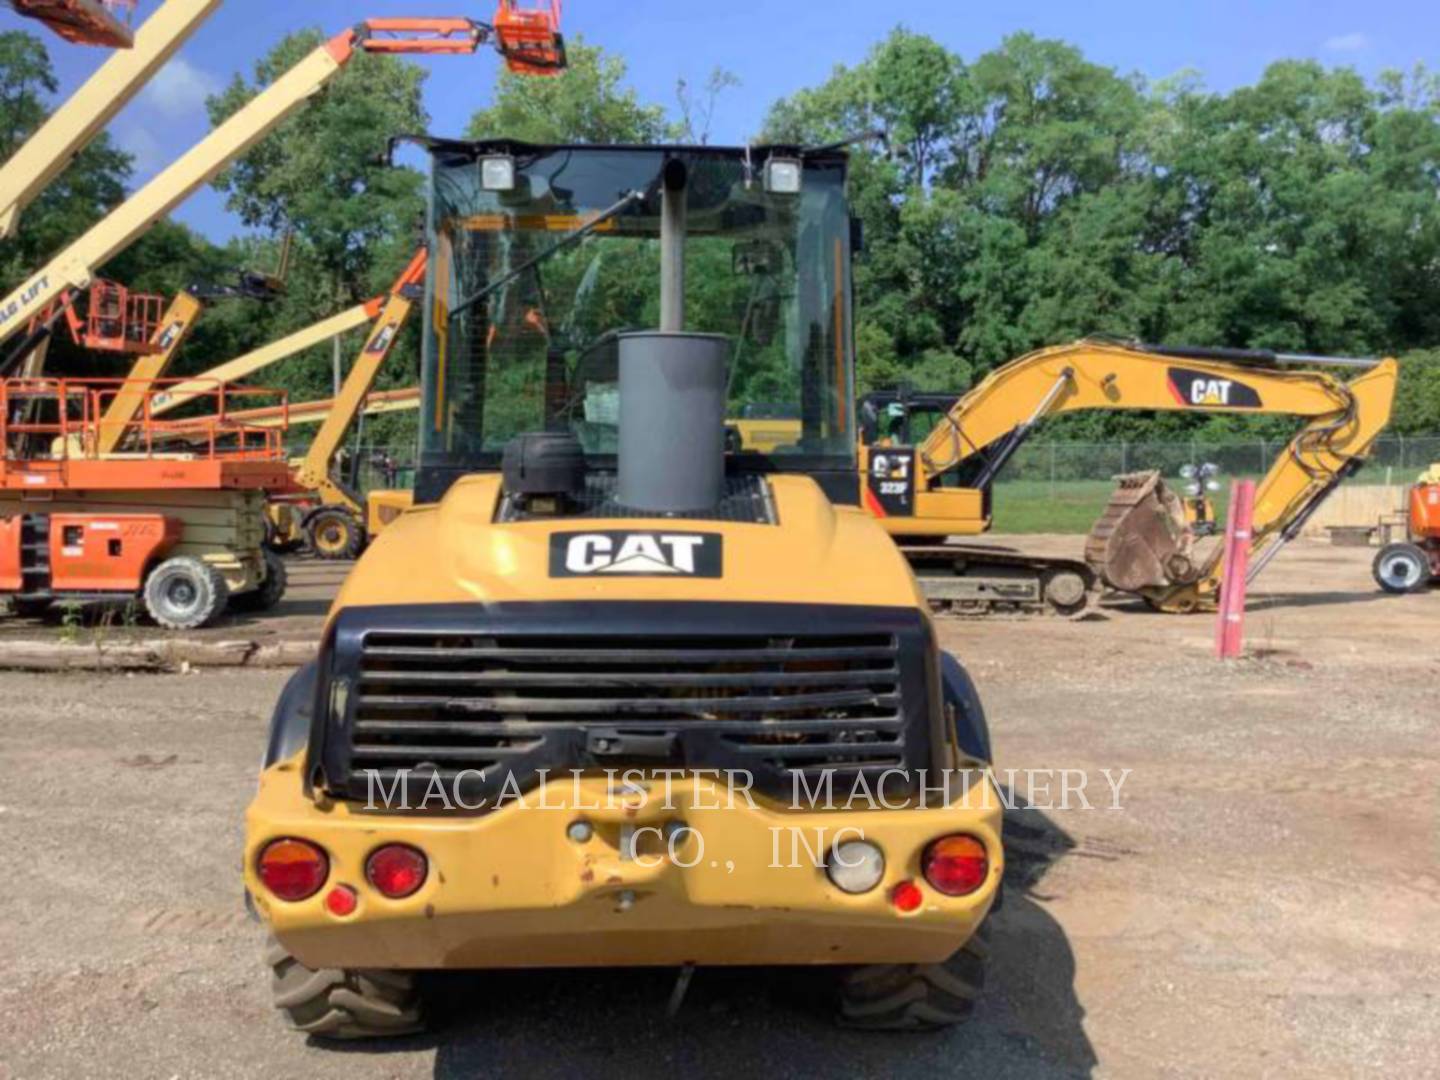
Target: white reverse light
{"x": 856, "y": 866}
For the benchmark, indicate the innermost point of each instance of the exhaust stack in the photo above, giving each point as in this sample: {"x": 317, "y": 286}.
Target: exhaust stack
{"x": 672, "y": 421}
{"x": 672, "y": 389}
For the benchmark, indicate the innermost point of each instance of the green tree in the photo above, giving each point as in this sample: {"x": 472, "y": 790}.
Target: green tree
{"x": 322, "y": 173}
{"x": 322, "y": 177}
{"x": 585, "y": 103}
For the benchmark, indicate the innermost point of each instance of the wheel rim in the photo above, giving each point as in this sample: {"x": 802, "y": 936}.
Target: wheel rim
{"x": 181, "y": 594}
{"x": 331, "y": 536}
{"x": 1401, "y": 571}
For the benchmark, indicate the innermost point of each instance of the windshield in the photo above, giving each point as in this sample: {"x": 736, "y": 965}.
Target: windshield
{"x": 522, "y": 331}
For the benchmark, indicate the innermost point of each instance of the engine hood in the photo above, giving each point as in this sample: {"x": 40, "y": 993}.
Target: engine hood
{"x": 455, "y": 551}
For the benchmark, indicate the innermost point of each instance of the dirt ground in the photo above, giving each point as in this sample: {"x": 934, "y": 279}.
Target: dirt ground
{"x": 1264, "y": 902}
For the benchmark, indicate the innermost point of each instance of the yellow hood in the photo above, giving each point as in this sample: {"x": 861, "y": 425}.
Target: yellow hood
{"x": 455, "y": 552}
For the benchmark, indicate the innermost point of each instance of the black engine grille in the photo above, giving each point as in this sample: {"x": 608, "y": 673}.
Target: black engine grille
{"x": 514, "y": 689}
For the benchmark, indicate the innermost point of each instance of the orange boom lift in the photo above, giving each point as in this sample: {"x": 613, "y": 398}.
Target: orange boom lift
{"x": 84, "y": 22}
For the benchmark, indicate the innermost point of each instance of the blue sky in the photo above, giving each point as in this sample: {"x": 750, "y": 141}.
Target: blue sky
{"x": 773, "y": 46}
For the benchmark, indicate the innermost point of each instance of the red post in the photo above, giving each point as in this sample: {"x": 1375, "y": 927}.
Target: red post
{"x": 1230, "y": 626}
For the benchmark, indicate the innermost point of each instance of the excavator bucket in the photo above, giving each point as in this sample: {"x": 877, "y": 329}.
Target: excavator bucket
{"x": 84, "y": 22}
{"x": 1142, "y": 539}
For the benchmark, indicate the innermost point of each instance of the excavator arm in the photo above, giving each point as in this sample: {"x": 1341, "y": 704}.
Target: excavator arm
{"x": 986, "y": 426}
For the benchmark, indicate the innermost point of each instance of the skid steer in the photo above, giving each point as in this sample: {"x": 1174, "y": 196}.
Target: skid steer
{"x": 608, "y": 694}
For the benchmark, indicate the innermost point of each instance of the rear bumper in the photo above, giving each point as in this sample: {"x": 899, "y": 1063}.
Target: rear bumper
{"x": 512, "y": 889}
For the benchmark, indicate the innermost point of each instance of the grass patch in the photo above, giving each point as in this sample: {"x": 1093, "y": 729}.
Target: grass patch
{"x": 1066, "y": 506}
{"x": 1038, "y": 506}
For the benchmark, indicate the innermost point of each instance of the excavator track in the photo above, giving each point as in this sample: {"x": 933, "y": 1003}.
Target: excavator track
{"x": 978, "y": 580}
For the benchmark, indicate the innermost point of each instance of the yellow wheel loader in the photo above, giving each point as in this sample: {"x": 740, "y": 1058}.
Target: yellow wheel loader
{"x": 608, "y": 695}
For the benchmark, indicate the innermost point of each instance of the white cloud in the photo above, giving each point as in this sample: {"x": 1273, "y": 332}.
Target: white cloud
{"x": 179, "y": 89}
{"x": 1354, "y": 42}
{"x": 144, "y": 147}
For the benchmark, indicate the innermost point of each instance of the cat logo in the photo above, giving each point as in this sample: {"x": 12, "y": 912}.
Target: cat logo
{"x": 1199, "y": 389}
{"x": 891, "y": 466}
{"x": 635, "y": 554}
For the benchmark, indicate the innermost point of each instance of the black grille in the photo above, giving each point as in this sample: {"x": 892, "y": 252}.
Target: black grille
{"x": 529, "y": 687}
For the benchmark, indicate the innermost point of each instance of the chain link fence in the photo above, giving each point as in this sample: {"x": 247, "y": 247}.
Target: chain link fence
{"x": 1396, "y": 459}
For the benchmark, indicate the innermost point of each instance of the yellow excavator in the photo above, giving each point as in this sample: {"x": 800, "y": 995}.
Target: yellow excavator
{"x": 928, "y": 489}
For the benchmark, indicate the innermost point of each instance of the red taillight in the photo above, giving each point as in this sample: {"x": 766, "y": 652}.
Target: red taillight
{"x": 956, "y": 865}
{"x": 396, "y": 871}
{"x": 341, "y": 901}
{"x": 907, "y": 896}
{"x": 293, "y": 869}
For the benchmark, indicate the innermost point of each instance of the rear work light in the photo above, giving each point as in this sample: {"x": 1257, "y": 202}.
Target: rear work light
{"x": 396, "y": 870}
{"x": 293, "y": 869}
{"x": 955, "y": 865}
{"x": 856, "y": 866}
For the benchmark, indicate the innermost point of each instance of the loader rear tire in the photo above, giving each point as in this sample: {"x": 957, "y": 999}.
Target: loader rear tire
{"x": 916, "y": 997}
{"x": 338, "y": 1003}
{"x": 185, "y": 593}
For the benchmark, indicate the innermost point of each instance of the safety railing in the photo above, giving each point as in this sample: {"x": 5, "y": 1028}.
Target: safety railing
{"x": 52, "y": 420}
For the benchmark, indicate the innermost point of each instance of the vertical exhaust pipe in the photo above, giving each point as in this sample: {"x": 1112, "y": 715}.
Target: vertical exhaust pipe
{"x": 672, "y": 389}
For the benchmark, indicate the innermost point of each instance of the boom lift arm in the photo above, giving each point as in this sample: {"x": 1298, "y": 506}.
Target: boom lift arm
{"x": 76, "y": 265}
{"x": 314, "y": 471}
{"x": 72, "y": 126}
{"x": 258, "y": 359}
{"x": 986, "y": 426}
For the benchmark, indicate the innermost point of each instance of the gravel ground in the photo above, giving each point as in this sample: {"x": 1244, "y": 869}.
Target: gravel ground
{"x": 1264, "y": 902}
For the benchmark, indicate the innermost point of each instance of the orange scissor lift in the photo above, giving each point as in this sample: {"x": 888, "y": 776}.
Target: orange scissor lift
{"x": 175, "y": 522}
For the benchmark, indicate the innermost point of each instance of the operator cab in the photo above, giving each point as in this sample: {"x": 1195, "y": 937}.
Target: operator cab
{"x": 544, "y": 257}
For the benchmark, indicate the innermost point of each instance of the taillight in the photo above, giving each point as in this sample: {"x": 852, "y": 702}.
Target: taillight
{"x": 341, "y": 901}
{"x": 907, "y": 897}
{"x": 396, "y": 870}
{"x": 955, "y": 865}
{"x": 293, "y": 869}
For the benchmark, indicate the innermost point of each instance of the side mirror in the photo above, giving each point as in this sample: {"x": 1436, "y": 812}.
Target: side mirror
{"x": 857, "y": 236}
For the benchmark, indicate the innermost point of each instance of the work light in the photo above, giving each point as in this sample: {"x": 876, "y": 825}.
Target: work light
{"x": 497, "y": 172}
{"x": 782, "y": 176}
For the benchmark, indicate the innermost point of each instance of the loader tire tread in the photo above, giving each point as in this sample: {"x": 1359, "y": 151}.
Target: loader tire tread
{"x": 338, "y": 1003}
{"x": 916, "y": 997}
